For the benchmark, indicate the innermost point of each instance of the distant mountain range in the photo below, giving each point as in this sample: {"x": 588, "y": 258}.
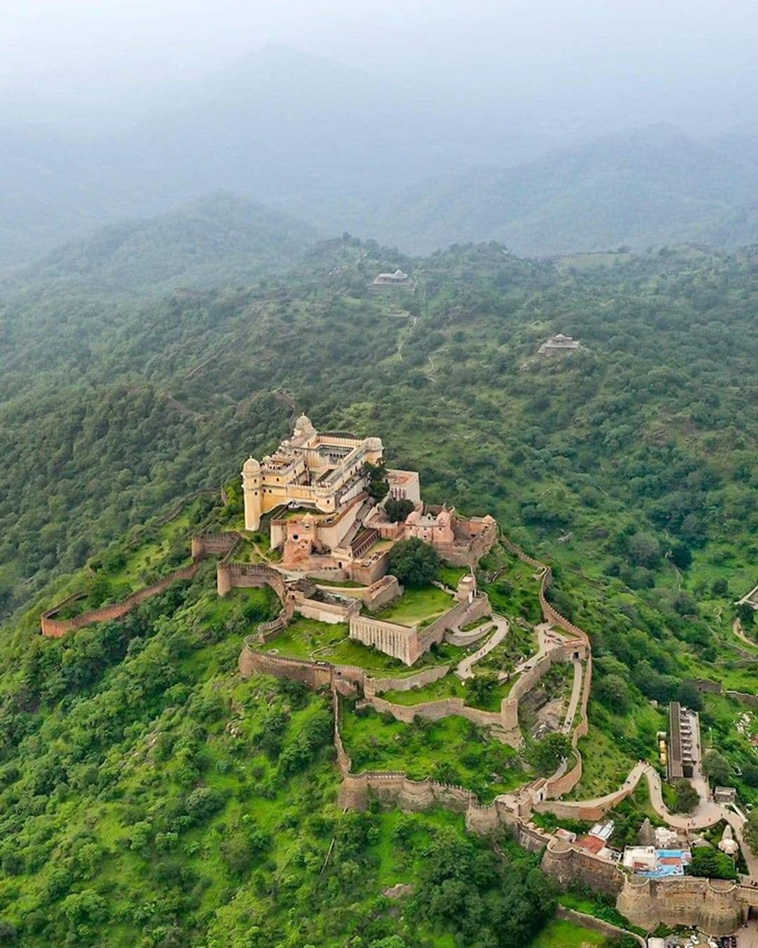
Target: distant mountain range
{"x": 219, "y": 239}
{"x": 651, "y": 187}
{"x": 343, "y": 151}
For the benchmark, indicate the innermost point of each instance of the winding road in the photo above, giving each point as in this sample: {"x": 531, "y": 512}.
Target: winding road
{"x": 463, "y": 671}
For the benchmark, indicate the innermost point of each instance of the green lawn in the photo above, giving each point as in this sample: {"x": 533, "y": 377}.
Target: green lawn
{"x": 416, "y": 605}
{"x": 451, "y": 575}
{"x": 560, "y": 934}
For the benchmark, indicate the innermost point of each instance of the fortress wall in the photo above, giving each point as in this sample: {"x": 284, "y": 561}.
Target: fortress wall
{"x": 249, "y": 575}
{"x": 55, "y": 628}
{"x": 344, "y": 762}
{"x": 378, "y": 594}
{"x": 517, "y": 551}
{"x": 712, "y": 905}
{"x": 214, "y": 544}
{"x": 376, "y": 686}
{"x": 552, "y": 614}
{"x": 568, "y": 865}
{"x": 526, "y": 681}
{"x": 435, "y": 711}
{"x": 567, "y": 781}
{"x": 174, "y": 511}
{"x": 596, "y": 924}
{"x": 254, "y": 662}
{"x": 324, "y": 611}
{"x": 750, "y": 700}
{"x": 433, "y": 633}
{"x": 398, "y": 790}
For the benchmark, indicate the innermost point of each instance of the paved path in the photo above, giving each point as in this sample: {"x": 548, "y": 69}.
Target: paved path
{"x": 463, "y": 671}
{"x": 576, "y": 693}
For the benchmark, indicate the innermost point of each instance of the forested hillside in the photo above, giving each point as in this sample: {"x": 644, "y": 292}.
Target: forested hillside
{"x": 629, "y": 464}
{"x": 641, "y": 189}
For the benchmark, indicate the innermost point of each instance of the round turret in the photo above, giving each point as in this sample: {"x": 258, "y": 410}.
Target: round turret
{"x": 251, "y": 466}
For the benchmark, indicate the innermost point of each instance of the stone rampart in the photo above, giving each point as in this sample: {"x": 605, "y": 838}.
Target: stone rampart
{"x": 596, "y": 924}
{"x": 569, "y": 865}
{"x": 373, "y": 597}
{"x": 249, "y": 575}
{"x": 214, "y": 544}
{"x": 517, "y": 551}
{"x": 55, "y": 628}
{"x": 253, "y": 661}
{"x": 376, "y": 686}
{"x": 332, "y": 613}
{"x": 710, "y": 904}
{"x": 471, "y": 637}
{"x": 521, "y": 687}
{"x": 435, "y": 711}
{"x": 399, "y": 790}
{"x": 750, "y": 700}
{"x": 434, "y": 633}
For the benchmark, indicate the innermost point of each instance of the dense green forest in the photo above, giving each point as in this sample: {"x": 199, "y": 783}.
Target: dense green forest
{"x": 149, "y": 797}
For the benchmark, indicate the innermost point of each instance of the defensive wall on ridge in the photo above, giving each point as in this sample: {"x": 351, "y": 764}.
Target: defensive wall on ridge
{"x": 55, "y": 628}
{"x": 203, "y": 545}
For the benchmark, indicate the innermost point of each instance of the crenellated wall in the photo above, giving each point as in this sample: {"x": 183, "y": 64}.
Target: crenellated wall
{"x": 436, "y": 710}
{"x": 55, "y": 628}
{"x": 376, "y": 686}
{"x": 249, "y": 575}
{"x": 398, "y": 790}
{"x": 375, "y": 596}
{"x": 569, "y": 865}
{"x": 214, "y": 544}
{"x": 714, "y": 905}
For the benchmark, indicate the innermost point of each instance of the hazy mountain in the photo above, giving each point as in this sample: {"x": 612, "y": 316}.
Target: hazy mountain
{"x": 219, "y": 239}
{"x": 653, "y": 186}
{"x": 345, "y": 150}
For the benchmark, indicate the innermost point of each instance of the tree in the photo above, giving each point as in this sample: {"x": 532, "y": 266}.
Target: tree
{"x": 710, "y": 863}
{"x": 750, "y": 831}
{"x": 377, "y": 485}
{"x": 547, "y": 754}
{"x": 613, "y": 691}
{"x": 686, "y": 796}
{"x": 746, "y": 613}
{"x": 716, "y": 767}
{"x": 481, "y": 689}
{"x": 414, "y": 563}
{"x": 750, "y": 774}
{"x": 689, "y": 696}
{"x": 398, "y": 510}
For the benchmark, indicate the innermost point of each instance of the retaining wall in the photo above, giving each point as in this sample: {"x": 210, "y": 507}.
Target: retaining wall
{"x": 376, "y": 686}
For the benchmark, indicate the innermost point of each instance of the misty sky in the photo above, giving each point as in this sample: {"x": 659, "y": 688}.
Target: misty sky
{"x": 658, "y": 59}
